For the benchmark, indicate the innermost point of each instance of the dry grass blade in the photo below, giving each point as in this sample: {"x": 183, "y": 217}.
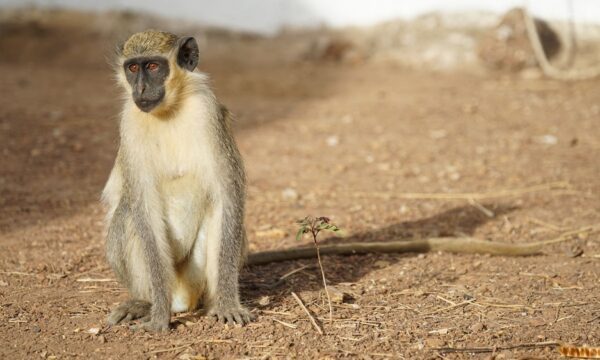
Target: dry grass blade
{"x": 312, "y": 319}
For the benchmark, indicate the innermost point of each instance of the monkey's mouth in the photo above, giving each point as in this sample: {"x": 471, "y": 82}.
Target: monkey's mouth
{"x": 146, "y": 105}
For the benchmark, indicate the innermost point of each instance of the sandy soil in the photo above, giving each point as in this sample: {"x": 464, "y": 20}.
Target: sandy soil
{"x": 344, "y": 141}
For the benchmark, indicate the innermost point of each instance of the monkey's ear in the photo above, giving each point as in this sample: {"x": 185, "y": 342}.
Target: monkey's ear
{"x": 188, "y": 53}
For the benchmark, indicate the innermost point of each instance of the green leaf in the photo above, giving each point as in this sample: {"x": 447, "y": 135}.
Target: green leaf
{"x": 300, "y": 233}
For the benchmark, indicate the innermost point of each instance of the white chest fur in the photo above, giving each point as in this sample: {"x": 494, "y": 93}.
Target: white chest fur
{"x": 174, "y": 148}
{"x": 177, "y": 154}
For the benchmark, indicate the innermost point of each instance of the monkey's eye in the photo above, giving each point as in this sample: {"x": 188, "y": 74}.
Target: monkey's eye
{"x": 152, "y": 66}
{"x": 133, "y": 68}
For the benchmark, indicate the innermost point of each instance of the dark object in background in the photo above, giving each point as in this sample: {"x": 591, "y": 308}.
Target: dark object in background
{"x": 507, "y": 47}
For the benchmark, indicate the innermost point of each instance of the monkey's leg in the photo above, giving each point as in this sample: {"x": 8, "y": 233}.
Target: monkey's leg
{"x": 225, "y": 247}
{"x": 157, "y": 263}
{"x": 122, "y": 248}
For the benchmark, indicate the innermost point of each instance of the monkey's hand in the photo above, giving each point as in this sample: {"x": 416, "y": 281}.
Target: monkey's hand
{"x": 157, "y": 321}
{"x": 234, "y": 314}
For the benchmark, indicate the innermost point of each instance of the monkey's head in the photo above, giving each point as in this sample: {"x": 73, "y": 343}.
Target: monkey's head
{"x": 152, "y": 66}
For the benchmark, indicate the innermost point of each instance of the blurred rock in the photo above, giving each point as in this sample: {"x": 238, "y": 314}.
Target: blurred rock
{"x": 507, "y": 47}
{"x": 289, "y": 194}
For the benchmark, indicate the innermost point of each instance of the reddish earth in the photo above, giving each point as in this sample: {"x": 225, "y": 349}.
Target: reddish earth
{"x": 351, "y": 142}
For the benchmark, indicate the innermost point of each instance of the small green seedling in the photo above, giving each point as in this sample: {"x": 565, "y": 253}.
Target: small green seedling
{"x": 314, "y": 225}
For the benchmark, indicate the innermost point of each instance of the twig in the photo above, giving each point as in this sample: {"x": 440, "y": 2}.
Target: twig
{"x": 496, "y": 348}
{"x": 467, "y": 302}
{"x": 545, "y": 224}
{"x": 284, "y": 276}
{"x": 171, "y": 349}
{"x": 312, "y": 320}
{"x": 505, "y": 306}
{"x": 291, "y": 326}
{"x": 487, "y": 212}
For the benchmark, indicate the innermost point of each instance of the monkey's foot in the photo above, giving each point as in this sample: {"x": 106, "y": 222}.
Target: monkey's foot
{"x": 151, "y": 326}
{"x": 232, "y": 315}
{"x": 130, "y": 310}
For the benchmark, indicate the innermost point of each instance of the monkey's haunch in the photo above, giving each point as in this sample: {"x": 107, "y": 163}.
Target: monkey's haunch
{"x": 463, "y": 245}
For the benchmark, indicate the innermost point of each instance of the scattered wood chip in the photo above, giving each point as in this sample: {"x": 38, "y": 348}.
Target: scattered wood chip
{"x": 264, "y": 301}
{"x": 443, "y": 331}
{"x": 94, "y": 331}
{"x": 188, "y": 356}
{"x": 337, "y": 296}
{"x": 575, "y": 251}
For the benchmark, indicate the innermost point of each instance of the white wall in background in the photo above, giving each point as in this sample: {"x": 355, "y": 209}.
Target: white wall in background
{"x": 267, "y": 16}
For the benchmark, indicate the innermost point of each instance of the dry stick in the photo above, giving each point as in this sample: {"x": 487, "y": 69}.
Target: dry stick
{"x": 312, "y": 320}
{"x": 496, "y": 348}
{"x": 323, "y": 276}
{"x": 461, "y": 245}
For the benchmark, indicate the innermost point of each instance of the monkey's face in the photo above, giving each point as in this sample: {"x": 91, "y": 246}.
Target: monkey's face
{"x": 155, "y": 61}
{"x": 147, "y": 75}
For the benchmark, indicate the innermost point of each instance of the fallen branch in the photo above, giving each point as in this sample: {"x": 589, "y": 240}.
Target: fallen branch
{"x": 459, "y": 245}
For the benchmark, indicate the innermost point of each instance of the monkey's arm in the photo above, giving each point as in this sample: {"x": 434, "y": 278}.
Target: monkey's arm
{"x": 148, "y": 223}
{"x": 462, "y": 245}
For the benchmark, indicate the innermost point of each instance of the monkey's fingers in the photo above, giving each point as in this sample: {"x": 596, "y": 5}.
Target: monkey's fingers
{"x": 128, "y": 311}
{"x": 236, "y": 315}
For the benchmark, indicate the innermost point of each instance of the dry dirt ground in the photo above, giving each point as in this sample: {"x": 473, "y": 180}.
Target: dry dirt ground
{"x": 352, "y": 142}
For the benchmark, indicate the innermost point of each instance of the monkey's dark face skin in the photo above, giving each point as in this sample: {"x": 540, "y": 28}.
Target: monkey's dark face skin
{"x": 147, "y": 75}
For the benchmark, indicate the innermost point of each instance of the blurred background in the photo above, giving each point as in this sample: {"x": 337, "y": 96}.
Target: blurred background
{"x": 269, "y": 16}
{"x": 356, "y": 110}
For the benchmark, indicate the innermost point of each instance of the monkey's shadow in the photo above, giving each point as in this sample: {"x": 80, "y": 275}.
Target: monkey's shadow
{"x": 260, "y": 280}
